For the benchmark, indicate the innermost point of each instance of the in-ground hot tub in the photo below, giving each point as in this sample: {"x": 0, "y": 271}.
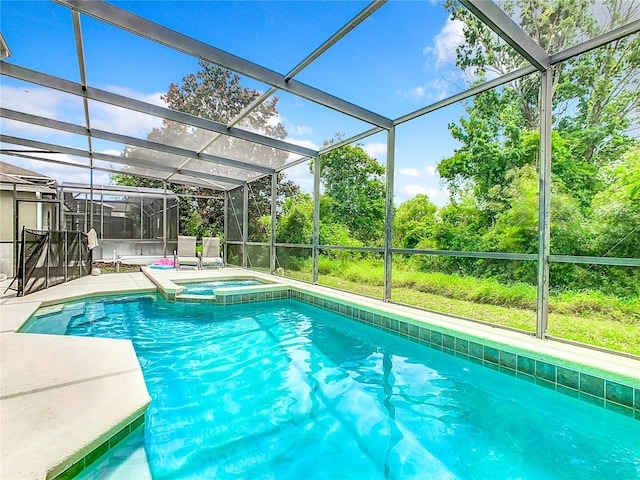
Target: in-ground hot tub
{"x": 209, "y": 287}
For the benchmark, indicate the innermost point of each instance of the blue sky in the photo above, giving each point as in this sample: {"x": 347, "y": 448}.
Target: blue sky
{"x": 397, "y": 61}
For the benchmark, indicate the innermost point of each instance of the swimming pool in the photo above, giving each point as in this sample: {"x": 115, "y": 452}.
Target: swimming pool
{"x": 209, "y": 287}
{"x": 283, "y": 389}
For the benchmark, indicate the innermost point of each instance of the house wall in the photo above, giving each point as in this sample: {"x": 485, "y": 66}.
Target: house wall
{"x": 30, "y": 215}
{"x": 6, "y": 232}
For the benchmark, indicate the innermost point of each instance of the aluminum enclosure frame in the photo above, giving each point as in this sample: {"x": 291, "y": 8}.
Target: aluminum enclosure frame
{"x": 488, "y": 12}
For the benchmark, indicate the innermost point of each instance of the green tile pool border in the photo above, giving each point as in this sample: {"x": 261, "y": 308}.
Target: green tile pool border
{"x": 587, "y": 387}
{"x": 235, "y": 298}
{"x": 83, "y": 463}
{"x": 260, "y": 295}
{"x": 257, "y": 293}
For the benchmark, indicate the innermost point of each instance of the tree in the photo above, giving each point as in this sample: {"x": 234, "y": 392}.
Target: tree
{"x": 414, "y": 222}
{"x": 616, "y": 219}
{"x": 260, "y": 204}
{"x": 295, "y": 226}
{"x": 596, "y": 95}
{"x": 492, "y": 175}
{"x": 355, "y": 182}
{"x": 216, "y": 94}
{"x": 491, "y": 138}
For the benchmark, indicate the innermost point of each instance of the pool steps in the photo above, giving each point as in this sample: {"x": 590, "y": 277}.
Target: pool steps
{"x": 72, "y": 470}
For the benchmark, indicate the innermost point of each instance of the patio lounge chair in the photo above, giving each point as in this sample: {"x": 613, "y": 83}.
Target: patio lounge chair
{"x": 211, "y": 252}
{"x": 186, "y": 253}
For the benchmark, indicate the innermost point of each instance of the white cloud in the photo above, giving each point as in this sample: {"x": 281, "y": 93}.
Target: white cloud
{"x": 300, "y": 130}
{"x": 110, "y": 151}
{"x": 153, "y": 98}
{"x": 21, "y": 129}
{"x": 412, "y": 190}
{"x": 303, "y": 143}
{"x": 429, "y": 171}
{"x": 301, "y": 175}
{"x": 409, "y": 172}
{"x": 375, "y": 149}
{"x": 42, "y": 102}
{"x": 57, "y": 105}
{"x": 39, "y": 101}
{"x": 62, "y": 173}
{"x": 414, "y": 94}
{"x": 445, "y": 43}
{"x": 432, "y": 91}
{"x": 442, "y": 53}
{"x": 120, "y": 120}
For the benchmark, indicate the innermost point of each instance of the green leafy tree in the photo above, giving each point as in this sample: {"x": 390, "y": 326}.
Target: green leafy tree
{"x": 216, "y": 94}
{"x": 355, "y": 182}
{"x": 296, "y": 223}
{"x": 491, "y": 141}
{"x": 260, "y": 205}
{"x": 516, "y": 227}
{"x": 332, "y": 229}
{"x": 492, "y": 175}
{"x": 616, "y": 219}
{"x": 596, "y": 95}
{"x": 413, "y": 222}
{"x": 462, "y": 224}
{"x": 295, "y": 226}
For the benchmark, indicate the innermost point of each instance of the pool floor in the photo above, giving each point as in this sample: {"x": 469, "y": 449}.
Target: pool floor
{"x": 285, "y": 390}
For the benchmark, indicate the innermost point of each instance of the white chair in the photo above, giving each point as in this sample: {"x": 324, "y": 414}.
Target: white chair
{"x": 186, "y": 253}
{"x": 211, "y": 253}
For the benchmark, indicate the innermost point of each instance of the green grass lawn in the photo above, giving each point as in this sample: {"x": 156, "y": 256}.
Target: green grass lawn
{"x": 585, "y": 317}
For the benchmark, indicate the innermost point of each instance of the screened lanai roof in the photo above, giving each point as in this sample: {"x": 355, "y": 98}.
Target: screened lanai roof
{"x": 311, "y": 54}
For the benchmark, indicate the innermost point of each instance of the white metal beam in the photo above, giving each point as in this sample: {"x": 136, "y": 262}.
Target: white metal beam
{"x": 336, "y": 37}
{"x": 152, "y": 31}
{"x": 349, "y": 26}
{"x": 5, "y": 51}
{"x": 100, "y": 169}
{"x": 77, "y": 30}
{"x": 483, "y": 87}
{"x": 596, "y": 42}
{"x": 498, "y": 21}
{"x": 126, "y": 140}
{"x": 544, "y": 203}
{"x": 39, "y": 78}
{"x": 131, "y": 161}
{"x": 348, "y": 141}
{"x": 388, "y": 219}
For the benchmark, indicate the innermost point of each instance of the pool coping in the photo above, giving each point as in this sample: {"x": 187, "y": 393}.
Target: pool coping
{"x": 66, "y": 403}
{"x": 602, "y": 378}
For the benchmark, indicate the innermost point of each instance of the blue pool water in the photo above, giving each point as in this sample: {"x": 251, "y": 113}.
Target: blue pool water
{"x": 208, "y": 288}
{"x": 285, "y": 390}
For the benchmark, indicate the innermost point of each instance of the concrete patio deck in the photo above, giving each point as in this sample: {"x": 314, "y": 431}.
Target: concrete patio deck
{"x": 61, "y": 397}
